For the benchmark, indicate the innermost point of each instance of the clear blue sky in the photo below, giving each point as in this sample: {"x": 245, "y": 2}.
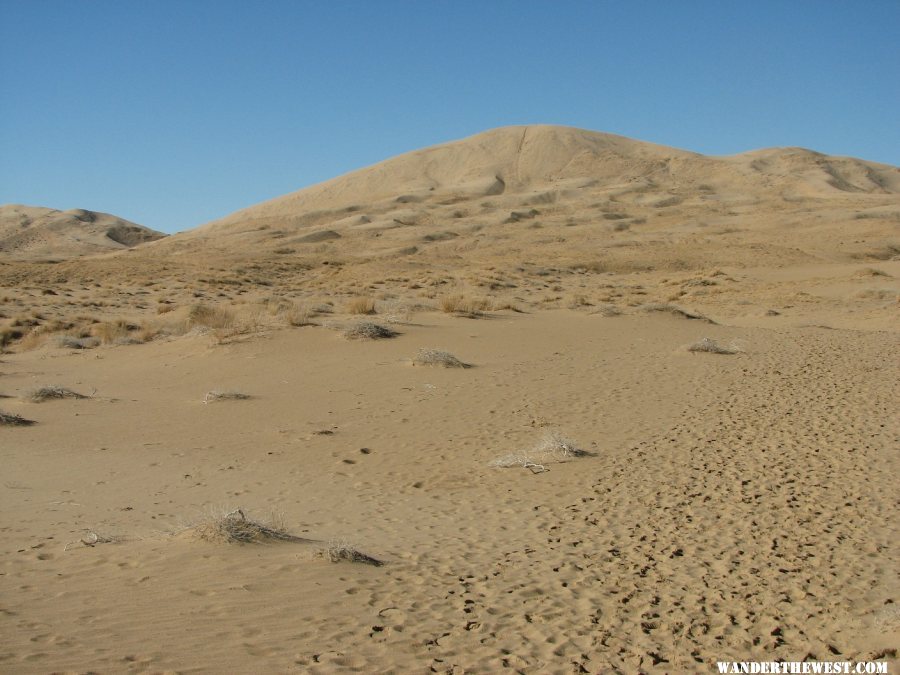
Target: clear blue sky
{"x": 173, "y": 113}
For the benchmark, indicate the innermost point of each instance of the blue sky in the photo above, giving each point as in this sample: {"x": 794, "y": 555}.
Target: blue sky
{"x": 173, "y": 113}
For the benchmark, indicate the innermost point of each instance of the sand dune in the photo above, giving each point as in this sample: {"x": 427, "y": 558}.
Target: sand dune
{"x": 595, "y": 405}
{"x": 34, "y": 232}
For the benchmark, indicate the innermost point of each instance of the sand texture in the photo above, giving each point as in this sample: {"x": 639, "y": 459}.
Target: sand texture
{"x": 537, "y": 401}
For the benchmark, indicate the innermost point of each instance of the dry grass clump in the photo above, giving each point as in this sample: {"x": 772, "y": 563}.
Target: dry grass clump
{"x": 366, "y": 330}
{"x": 607, "y": 310}
{"x": 553, "y": 447}
{"x": 115, "y": 332}
{"x": 674, "y": 311}
{"x": 73, "y": 342}
{"x": 438, "y": 357}
{"x": 12, "y": 420}
{"x": 50, "y": 393}
{"x": 230, "y": 395}
{"x": 361, "y": 305}
{"x": 210, "y": 317}
{"x": 234, "y": 527}
{"x": 299, "y": 314}
{"x": 464, "y": 306}
{"x": 338, "y": 551}
{"x": 712, "y": 347}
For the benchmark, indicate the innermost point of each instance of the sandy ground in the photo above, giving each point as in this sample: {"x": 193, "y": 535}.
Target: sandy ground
{"x": 737, "y": 506}
{"x": 730, "y": 507}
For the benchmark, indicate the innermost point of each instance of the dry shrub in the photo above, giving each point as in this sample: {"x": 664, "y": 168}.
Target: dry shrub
{"x": 438, "y": 357}
{"x": 607, "y": 310}
{"x": 553, "y": 447}
{"x": 12, "y": 420}
{"x": 578, "y": 300}
{"x": 235, "y": 527}
{"x": 338, "y": 551}
{"x": 712, "y": 347}
{"x": 464, "y": 306}
{"x": 217, "y": 395}
{"x": 366, "y": 330}
{"x": 73, "y": 342}
{"x": 114, "y": 332}
{"x": 361, "y": 305}
{"x": 299, "y": 314}
{"x": 52, "y": 392}
{"x": 674, "y": 311}
{"x": 210, "y": 317}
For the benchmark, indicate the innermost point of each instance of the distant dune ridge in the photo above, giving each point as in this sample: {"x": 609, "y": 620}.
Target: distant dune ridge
{"x": 524, "y": 160}
{"x": 38, "y": 232}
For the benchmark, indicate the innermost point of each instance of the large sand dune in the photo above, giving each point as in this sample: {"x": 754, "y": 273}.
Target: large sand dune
{"x": 34, "y": 232}
{"x": 676, "y": 443}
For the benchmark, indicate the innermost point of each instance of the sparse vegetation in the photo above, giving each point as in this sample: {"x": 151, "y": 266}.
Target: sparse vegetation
{"x": 712, "y": 347}
{"x": 338, "y": 551}
{"x": 210, "y": 317}
{"x": 361, "y": 305}
{"x": 50, "y": 393}
{"x": 553, "y": 447}
{"x": 464, "y": 306}
{"x": 216, "y": 395}
{"x": 366, "y": 330}
{"x": 438, "y": 357}
{"x": 674, "y": 311}
{"x": 234, "y": 527}
{"x": 73, "y": 342}
{"x": 12, "y": 420}
{"x": 115, "y": 332}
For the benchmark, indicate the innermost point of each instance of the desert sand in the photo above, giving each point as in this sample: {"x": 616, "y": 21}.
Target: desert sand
{"x": 675, "y": 441}
{"x": 39, "y": 233}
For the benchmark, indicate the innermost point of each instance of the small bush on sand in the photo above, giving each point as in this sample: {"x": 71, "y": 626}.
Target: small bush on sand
{"x": 113, "y": 332}
{"x": 299, "y": 314}
{"x": 11, "y": 420}
{"x": 554, "y": 447}
{"x": 712, "y": 347}
{"x": 361, "y": 306}
{"x": 72, "y": 342}
{"x": 437, "y": 357}
{"x": 464, "y": 306}
{"x": 366, "y": 330}
{"x": 235, "y": 527}
{"x": 50, "y": 393}
{"x": 338, "y": 551}
{"x": 607, "y": 310}
{"x": 217, "y": 395}
{"x": 210, "y": 317}
{"x": 674, "y": 311}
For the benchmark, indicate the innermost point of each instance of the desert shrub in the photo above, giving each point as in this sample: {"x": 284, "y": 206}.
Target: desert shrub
{"x": 217, "y": 395}
{"x": 553, "y": 447}
{"x": 235, "y": 527}
{"x": 366, "y": 330}
{"x": 50, "y": 393}
{"x": 338, "y": 551}
{"x": 73, "y": 342}
{"x": 361, "y": 305}
{"x": 210, "y": 317}
{"x": 299, "y": 315}
{"x": 712, "y": 347}
{"x": 464, "y": 306}
{"x": 112, "y": 332}
{"x": 674, "y": 311}
{"x": 607, "y": 310}
{"x": 12, "y": 420}
{"x": 438, "y": 357}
